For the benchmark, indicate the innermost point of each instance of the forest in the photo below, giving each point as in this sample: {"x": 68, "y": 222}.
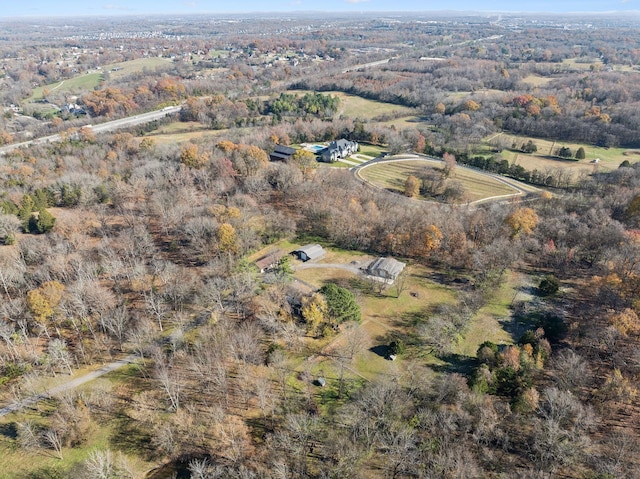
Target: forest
{"x": 506, "y": 348}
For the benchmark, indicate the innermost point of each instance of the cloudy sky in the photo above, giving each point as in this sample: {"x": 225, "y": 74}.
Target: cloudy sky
{"x": 9, "y": 8}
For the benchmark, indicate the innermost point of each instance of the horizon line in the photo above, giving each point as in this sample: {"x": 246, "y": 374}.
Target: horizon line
{"x": 125, "y": 13}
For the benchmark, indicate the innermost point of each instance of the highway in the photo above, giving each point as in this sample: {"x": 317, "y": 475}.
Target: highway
{"x": 101, "y": 127}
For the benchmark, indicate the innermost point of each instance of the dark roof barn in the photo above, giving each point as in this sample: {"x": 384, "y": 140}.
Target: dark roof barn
{"x": 282, "y": 153}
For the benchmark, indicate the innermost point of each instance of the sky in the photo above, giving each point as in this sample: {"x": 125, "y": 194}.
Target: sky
{"x": 13, "y": 8}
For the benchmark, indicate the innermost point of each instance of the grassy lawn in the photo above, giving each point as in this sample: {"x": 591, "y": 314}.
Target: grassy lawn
{"x": 89, "y": 81}
{"x": 353, "y": 106}
{"x": 404, "y": 122}
{"x": 181, "y": 137}
{"x": 180, "y": 127}
{"x": 79, "y": 84}
{"x": 610, "y": 158}
{"x": 337, "y": 164}
{"x": 486, "y": 325}
{"x": 392, "y": 176}
{"x": 16, "y": 462}
{"x": 536, "y": 80}
{"x": 135, "y": 66}
{"x": 218, "y": 53}
{"x": 371, "y": 150}
{"x": 383, "y": 313}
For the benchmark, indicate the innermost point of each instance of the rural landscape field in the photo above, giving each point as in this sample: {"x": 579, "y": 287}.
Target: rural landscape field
{"x": 345, "y": 245}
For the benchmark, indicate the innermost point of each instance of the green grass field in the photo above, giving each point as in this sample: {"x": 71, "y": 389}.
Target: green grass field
{"x": 134, "y": 66}
{"x": 486, "y": 325}
{"x": 89, "y": 81}
{"x": 609, "y": 158}
{"x": 353, "y": 106}
{"x": 79, "y": 84}
{"x": 371, "y": 150}
{"x": 392, "y": 176}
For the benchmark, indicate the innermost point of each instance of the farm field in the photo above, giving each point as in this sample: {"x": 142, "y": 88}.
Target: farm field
{"x": 392, "y": 176}
{"x": 353, "y": 106}
{"x": 536, "y": 80}
{"x": 608, "y": 158}
{"x": 89, "y": 81}
{"x": 79, "y": 84}
{"x": 134, "y": 66}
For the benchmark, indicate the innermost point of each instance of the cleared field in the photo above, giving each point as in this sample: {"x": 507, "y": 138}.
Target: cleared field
{"x": 89, "y": 81}
{"x": 536, "y": 80}
{"x": 486, "y": 325}
{"x": 353, "y": 106}
{"x": 77, "y": 84}
{"x": 119, "y": 70}
{"x": 179, "y": 132}
{"x": 608, "y": 158}
{"x": 404, "y": 122}
{"x": 392, "y": 176}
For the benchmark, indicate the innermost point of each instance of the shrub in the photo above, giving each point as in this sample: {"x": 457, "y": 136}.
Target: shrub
{"x": 548, "y": 286}
{"x": 397, "y": 346}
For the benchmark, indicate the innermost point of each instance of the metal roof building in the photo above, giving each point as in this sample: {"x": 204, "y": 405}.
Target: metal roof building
{"x": 310, "y": 252}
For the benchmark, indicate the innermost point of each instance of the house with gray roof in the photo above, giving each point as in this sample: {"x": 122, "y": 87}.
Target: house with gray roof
{"x": 386, "y": 268}
{"x": 339, "y": 150}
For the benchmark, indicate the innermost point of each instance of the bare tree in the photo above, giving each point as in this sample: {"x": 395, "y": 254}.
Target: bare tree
{"x": 53, "y": 439}
{"x": 105, "y": 465}
{"x": 59, "y": 355}
{"x": 28, "y": 435}
{"x": 571, "y": 371}
{"x": 353, "y": 340}
{"x": 398, "y": 444}
{"x": 12, "y": 270}
{"x": 401, "y": 281}
{"x": 264, "y": 393}
{"x": 170, "y": 378}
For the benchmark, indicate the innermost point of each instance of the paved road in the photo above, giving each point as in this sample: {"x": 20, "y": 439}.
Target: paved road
{"x": 101, "y": 127}
{"x": 66, "y": 386}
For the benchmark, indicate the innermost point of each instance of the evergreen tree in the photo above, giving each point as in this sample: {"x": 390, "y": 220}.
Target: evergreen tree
{"x": 41, "y": 223}
{"x": 341, "y": 304}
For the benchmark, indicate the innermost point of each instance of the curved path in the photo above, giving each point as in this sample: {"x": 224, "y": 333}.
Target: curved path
{"x": 67, "y": 385}
{"x": 521, "y": 189}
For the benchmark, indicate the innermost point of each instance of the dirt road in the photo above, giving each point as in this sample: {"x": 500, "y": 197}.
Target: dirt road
{"x": 67, "y": 385}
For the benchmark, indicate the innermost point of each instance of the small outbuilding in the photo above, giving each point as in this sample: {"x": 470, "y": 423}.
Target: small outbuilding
{"x": 270, "y": 261}
{"x": 282, "y": 153}
{"x": 387, "y": 268}
{"x": 310, "y": 252}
